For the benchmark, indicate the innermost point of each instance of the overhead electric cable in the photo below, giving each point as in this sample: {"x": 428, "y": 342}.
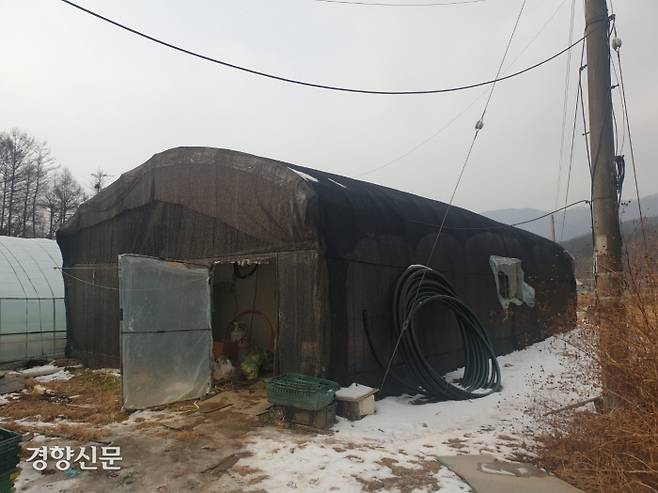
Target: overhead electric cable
{"x": 425, "y": 141}
{"x": 385, "y": 4}
{"x": 582, "y": 109}
{"x": 520, "y": 223}
{"x": 502, "y": 61}
{"x": 617, "y": 84}
{"x": 630, "y": 138}
{"x": 565, "y": 104}
{"x": 466, "y": 108}
{"x": 314, "y": 84}
{"x": 571, "y": 149}
{"x": 412, "y": 308}
{"x": 582, "y": 201}
{"x": 579, "y": 94}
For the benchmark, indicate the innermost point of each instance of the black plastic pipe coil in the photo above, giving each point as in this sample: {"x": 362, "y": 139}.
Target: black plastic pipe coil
{"x": 418, "y": 286}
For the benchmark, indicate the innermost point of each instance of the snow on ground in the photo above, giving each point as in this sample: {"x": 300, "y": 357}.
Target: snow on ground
{"x": 45, "y": 373}
{"x": 62, "y": 374}
{"x": 408, "y": 436}
{"x": 5, "y": 398}
{"x": 36, "y": 371}
{"x": 109, "y": 371}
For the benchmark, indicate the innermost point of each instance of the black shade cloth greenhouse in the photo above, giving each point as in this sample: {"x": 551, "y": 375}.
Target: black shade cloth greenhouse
{"x": 338, "y": 244}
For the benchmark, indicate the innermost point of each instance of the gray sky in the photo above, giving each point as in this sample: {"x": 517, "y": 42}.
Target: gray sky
{"x": 103, "y": 97}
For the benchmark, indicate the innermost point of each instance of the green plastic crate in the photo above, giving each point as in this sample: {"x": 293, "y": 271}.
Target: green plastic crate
{"x": 301, "y": 391}
{"x": 7, "y": 481}
{"x": 10, "y": 449}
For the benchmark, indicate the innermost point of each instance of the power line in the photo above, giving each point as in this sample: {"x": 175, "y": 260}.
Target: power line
{"x": 314, "y": 84}
{"x": 537, "y": 34}
{"x": 382, "y": 4}
{"x": 565, "y": 104}
{"x": 583, "y": 201}
{"x": 520, "y": 223}
{"x": 478, "y": 126}
{"x": 620, "y": 145}
{"x": 630, "y": 139}
{"x": 582, "y": 109}
{"x": 585, "y": 132}
{"x": 571, "y": 150}
{"x": 465, "y": 110}
{"x": 434, "y": 245}
{"x": 423, "y": 142}
{"x": 502, "y": 61}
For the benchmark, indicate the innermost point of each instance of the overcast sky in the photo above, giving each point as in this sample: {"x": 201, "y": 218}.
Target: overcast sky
{"x": 102, "y": 97}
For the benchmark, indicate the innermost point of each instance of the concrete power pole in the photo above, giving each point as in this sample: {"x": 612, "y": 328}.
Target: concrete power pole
{"x": 607, "y": 236}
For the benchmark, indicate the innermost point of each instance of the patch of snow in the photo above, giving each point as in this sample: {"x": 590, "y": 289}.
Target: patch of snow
{"x": 495, "y": 470}
{"x": 62, "y": 374}
{"x": 109, "y": 371}
{"x": 450, "y": 482}
{"x": 306, "y": 176}
{"x": 496, "y": 425}
{"x": 6, "y": 398}
{"x": 353, "y": 392}
{"x": 37, "y": 371}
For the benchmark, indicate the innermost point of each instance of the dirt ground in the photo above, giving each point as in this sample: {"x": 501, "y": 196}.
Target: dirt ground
{"x": 232, "y": 443}
{"x": 201, "y": 446}
{"x": 189, "y": 446}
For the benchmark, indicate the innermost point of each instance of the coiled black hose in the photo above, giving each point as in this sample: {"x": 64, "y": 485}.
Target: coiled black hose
{"x": 418, "y": 286}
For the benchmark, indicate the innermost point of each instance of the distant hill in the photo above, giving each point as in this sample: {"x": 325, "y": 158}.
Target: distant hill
{"x": 577, "y": 220}
{"x": 581, "y": 248}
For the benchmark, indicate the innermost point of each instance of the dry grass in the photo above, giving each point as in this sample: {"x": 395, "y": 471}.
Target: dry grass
{"x": 404, "y": 479}
{"x": 89, "y": 397}
{"x": 615, "y": 449}
{"x": 73, "y": 432}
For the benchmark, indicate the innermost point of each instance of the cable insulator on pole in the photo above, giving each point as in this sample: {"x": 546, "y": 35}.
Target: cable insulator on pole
{"x": 616, "y": 43}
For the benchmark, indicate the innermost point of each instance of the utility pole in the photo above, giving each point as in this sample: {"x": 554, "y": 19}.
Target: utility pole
{"x": 605, "y": 213}
{"x": 607, "y": 236}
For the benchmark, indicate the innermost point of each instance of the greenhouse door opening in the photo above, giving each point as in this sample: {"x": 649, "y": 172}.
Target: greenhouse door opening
{"x": 244, "y": 316}
{"x": 165, "y": 331}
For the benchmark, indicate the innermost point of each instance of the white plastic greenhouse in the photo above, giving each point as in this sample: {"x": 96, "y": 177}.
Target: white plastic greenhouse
{"x": 32, "y": 313}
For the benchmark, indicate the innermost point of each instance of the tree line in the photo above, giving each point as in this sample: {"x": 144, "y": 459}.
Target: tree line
{"x": 38, "y": 196}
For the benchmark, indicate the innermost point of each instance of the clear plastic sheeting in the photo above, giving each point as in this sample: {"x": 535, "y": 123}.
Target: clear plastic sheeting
{"x": 510, "y": 284}
{"x": 32, "y": 313}
{"x": 166, "y": 338}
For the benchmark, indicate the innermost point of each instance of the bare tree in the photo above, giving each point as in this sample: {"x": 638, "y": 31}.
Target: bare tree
{"x": 99, "y": 179}
{"x": 69, "y": 193}
{"x": 50, "y": 203}
{"x": 4, "y": 176}
{"x": 17, "y": 151}
{"x": 35, "y": 199}
{"x": 43, "y": 165}
{"x": 61, "y": 199}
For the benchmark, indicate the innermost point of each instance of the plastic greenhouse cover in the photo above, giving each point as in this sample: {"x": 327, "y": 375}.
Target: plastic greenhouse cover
{"x": 166, "y": 337}
{"x": 32, "y": 313}
{"x": 28, "y": 268}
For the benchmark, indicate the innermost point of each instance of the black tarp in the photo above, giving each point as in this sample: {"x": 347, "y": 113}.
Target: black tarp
{"x": 339, "y": 245}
